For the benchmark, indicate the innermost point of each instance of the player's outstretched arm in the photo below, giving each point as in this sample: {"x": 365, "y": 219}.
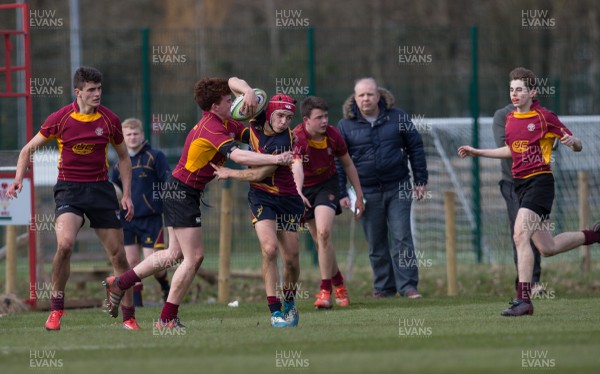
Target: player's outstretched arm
{"x": 250, "y": 158}
{"x": 23, "y": 163}
{"x": 255, "y": 174}
{"x": 467, "y": 150}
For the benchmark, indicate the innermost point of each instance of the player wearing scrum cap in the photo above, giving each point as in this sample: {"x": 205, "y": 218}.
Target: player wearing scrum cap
{"x": 212, "y": 140}
{"x": 277, "y": 209}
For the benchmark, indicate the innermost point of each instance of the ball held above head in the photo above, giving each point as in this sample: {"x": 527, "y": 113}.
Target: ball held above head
{"x": 238, "y": 104}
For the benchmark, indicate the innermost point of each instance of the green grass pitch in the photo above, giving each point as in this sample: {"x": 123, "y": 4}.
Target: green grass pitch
{"x": 431, "y": 335}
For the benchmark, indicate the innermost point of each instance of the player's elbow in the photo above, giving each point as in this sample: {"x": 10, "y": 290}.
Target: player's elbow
{"x": 27, "y": 150}
{"x": 235, "y": 158}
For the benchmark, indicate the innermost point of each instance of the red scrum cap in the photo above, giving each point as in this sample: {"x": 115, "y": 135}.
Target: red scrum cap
{"x": 280, "y": 102}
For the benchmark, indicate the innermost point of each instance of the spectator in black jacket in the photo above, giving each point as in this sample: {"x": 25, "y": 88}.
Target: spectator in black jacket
{"x": 382, "y": 140}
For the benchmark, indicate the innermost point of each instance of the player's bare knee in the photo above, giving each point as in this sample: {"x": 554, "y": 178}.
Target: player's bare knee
{"x": 192, "y": 262}
{"x": 197, "y": 260}
{"x": 521, "y": 237}
{"x": 291, "y": 265}
{"x": 197, "y": 265}
{"x": 293, "y": 253}
{"x": 65, "y": 248}
{"x": 63, "y": 256}
{"x": 545, "y": 251}
{"x": 269, "y": 252}
{"x": 118, "y": 260}
{"x": 324, "y": 235}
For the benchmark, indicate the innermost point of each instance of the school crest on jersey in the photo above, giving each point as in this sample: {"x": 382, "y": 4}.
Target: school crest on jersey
{"x": 531, "y": 127}
{"x": 99, "y": 131}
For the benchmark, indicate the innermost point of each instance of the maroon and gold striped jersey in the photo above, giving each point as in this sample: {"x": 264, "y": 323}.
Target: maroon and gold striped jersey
{"x": 318, "y": 157}
{"x": 83, "y": 141}
{"x": 202, "y": 147}
{"x": 530, "y": 137}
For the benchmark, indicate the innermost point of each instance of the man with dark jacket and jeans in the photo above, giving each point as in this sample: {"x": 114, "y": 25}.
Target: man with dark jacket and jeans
{"x": 382, "y": 141}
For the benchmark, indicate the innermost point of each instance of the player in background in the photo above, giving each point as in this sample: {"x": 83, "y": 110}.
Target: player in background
{"x": 83, "y": 130}
{"x": 150, "y": 171}
{"x": 530, "y": 133}
{"x": 317, "y": 146}
{"x": 212, "y": 139}
{"x": 277, "y": 209}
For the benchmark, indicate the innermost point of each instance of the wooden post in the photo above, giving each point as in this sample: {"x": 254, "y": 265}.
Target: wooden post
{"x": 11, "y": 259}
{"x": 584, "y": 217}
{"x": 450, "y": 243}
{"x": 225, "y": 244}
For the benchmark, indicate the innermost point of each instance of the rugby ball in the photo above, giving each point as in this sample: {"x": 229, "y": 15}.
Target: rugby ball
{"x": 236, "y": 106}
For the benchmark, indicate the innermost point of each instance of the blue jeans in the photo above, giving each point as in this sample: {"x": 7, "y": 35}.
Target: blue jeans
{"x": 394, "y": 266}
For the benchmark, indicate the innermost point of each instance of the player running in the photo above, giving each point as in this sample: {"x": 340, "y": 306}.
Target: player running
{"x": 83, "y": 130}
{"x": 530, "y": 133}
